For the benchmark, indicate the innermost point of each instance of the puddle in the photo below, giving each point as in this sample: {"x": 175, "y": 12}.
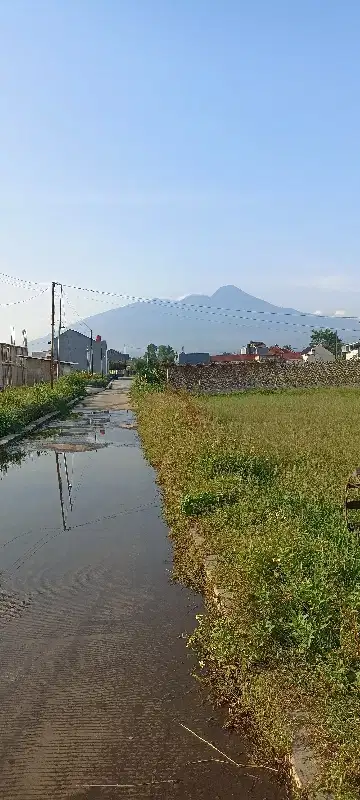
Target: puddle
{"x": 96, "y": 678}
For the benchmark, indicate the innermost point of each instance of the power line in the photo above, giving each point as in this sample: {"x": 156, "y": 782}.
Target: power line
{"x": 25, "y": 300}
{"x": 16, "y": 281}
{"x": 211, "y": 309}
{"x": 197, "y": 306}
{"x": 173, "y": 306}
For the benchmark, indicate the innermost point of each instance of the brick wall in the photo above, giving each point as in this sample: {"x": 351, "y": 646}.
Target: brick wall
{"x": 220, "y": 378}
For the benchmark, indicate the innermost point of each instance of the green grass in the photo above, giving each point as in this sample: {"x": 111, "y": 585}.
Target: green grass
{"x": 20, "y": 406}
{"x": 261, "y": 476}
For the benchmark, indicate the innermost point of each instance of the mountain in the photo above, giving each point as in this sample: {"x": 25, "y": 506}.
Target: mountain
{"x": 221, "y": 322}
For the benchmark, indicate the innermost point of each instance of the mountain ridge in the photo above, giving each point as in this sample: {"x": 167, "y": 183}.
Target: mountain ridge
{"x": 221, "y": 322}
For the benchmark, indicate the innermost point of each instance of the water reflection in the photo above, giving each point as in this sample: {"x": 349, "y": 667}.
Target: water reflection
{"x": 8, "y": 458}
{"x": 67, "y": 505}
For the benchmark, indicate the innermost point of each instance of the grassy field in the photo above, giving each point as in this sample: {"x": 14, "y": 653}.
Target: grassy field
{"x": 261, "y": 477}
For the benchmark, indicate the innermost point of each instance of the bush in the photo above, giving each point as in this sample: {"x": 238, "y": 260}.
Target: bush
{"x": 97, "y": 380}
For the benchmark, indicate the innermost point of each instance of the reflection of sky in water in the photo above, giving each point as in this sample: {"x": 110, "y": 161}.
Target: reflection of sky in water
{"x": 43, "y": 491}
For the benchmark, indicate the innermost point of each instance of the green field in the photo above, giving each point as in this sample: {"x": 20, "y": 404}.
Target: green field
{"x": 261, "y": 476}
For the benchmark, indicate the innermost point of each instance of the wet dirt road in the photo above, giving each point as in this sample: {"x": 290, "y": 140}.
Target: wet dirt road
{"x": 95, "y": 677}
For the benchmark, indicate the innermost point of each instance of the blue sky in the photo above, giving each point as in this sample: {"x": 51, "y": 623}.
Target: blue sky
{"x": 162, "y": 147}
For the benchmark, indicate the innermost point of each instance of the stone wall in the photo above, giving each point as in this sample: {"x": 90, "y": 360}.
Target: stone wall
{"x": 231, "y": 377}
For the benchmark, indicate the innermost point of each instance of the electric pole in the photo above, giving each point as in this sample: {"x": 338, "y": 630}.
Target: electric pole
{"x": 53, "y": 284}
{"x": 91, "y": 353}
{"x": 59, "y": 334}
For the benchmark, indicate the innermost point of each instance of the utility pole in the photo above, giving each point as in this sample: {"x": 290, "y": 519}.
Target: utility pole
{"x": 52, "y": 333}
{"x": 91, "y": 353}
{"x": 59, "y": 334}
{"x": 336, "y": 344}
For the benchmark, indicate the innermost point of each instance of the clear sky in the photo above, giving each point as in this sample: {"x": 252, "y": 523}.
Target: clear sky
{"x": 162, "y": 147}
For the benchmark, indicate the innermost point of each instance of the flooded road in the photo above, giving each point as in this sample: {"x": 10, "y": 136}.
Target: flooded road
{"x": 95, "y": 680}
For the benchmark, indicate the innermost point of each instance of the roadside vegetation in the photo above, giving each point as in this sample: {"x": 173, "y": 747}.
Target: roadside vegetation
{"x": 150, "y": 369}
{"x": 97, "y": 381}
{"x": 22, "y": 405}
{"x": 259, "y": 479}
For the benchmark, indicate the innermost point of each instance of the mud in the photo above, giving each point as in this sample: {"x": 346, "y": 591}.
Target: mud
{"x": 95, "y": 678}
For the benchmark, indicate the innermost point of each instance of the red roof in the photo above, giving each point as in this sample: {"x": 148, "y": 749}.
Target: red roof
{"x": 288, "y": 355}
{"x": 234, "y": 357}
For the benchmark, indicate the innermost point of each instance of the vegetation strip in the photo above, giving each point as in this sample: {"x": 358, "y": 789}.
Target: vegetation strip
{"x": 21, "y": 406}
{"x": 259, "y": 480}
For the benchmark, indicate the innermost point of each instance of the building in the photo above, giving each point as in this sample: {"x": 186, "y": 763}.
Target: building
{"x": 115, "y": 358}
{"x": 285, "y": 356}
{"x": 17, "y": 368}
{"x": 351, "y": 351}
{"x": 317, "y": 354}
{"x": 194, "y": 358}
{"x": 12, "y": 365}
{"x": 255, "y": 349}
{"x": 234, "y": 358}
{"x": 40, "y": 354}
{"x": 75, "y": 348}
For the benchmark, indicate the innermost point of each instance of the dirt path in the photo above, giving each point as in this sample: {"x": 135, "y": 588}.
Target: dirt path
{"x": 95, "y": 681}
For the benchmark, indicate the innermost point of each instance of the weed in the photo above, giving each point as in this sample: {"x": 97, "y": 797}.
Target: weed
{"x": 201, "y": 503}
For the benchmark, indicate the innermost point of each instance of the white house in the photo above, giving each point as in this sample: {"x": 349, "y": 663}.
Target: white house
{"x": 351, "y": 351}
{"x": 317, "y": 354}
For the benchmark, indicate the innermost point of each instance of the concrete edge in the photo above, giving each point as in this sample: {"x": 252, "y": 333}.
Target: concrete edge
{"x": 13, "y": 437}
{"x": 303, "y": 765}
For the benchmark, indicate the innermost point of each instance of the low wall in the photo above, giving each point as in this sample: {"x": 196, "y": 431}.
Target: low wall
{"x": 38, "y": 370}
{"x": 221, "y": 378}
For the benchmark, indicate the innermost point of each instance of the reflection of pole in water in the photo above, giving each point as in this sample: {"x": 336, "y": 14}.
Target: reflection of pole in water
{"x": 69, "y": 487}
{"x": 60, "y": 490}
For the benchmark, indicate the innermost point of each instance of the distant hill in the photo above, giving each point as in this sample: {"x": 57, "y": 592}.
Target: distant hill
{"x": 221, "y": 322}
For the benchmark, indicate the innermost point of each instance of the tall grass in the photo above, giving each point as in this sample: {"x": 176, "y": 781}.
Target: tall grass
{"x": 291, "y": 642}
{"x": 20, "y": 406}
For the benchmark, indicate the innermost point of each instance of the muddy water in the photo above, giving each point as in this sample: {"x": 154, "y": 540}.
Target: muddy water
{"x": 94, "y": 674}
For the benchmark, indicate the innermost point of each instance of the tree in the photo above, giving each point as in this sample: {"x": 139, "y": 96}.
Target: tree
{"x": 287, "y": 347}
{"x": 328, "y": 338}
{"x": 165, "y": 354}
{"x": 151, "y": 366}
{"x": 151, "y": 354}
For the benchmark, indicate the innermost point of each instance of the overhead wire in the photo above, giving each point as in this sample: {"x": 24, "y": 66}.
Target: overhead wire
{"x": 172, "y": 306}
{"x": 180, "y": 303}
{"x": 25, "y": 299}
{"x": 210, "y": 311}
{"x": 210, "y": 308}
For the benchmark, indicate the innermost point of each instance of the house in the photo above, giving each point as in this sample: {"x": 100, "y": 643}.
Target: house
{"x": 116, "y": 359}
{"x": 351, "y": 351}
{"x": 317, "y": 354}
{"x": 194, "y": 358}
{"x": 234, "y": 358}
{"x": 255, "y": 348}
{"x": 40, "y": 354}
{"x": 75, "y": 347}
{"x": 285, "y": 356}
